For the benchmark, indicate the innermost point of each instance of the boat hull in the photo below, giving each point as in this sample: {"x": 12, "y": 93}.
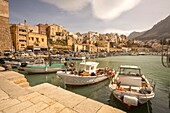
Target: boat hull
{"x": 76, "y": 80}
{"x": 140, "y": 98}
{"x": 41, "y": 70}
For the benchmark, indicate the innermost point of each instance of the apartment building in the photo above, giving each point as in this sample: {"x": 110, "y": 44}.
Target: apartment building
{"x": 56, "y": 32}
{"x": 19, "y": 34}
{"x": 37, "y": 41}
{"x": 27, "y": 37}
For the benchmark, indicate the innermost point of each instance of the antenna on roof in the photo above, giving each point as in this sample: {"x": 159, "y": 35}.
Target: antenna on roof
{"x": 25, "y": 21}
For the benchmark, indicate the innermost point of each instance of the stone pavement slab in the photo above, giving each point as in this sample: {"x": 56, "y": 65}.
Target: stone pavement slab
{"x": 3, "y": 95}
{"x": 12, "y": 89}
{"x": 44, "y": 88}
{"x": 55, "y": 108}
{"x": 18, "y": 107}
{"x": 15, "y": 78}
{"x": 8, "y": 103}
{"x": 88, "y": 106}
{"x": 68, "y": 110}
{"x": 28, "y": 96}
{"x": 66, "y": 98}
{"x": 11, "y": 73}
{"x": 35, "y": 108}
{"x": 109, "y": 109}
{"x": 42, "y": 98}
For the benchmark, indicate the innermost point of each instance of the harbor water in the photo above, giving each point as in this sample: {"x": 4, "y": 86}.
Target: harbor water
{"x": 151, "y": 67}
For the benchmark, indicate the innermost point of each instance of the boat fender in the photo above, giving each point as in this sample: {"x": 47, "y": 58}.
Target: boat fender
{"x": 120, "y": 89}
{"x": 110, "y": 73}
{"x": 130, "y": 100}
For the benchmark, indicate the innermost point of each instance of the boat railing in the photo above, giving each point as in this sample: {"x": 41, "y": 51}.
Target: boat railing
{"x": 152, "y": 84}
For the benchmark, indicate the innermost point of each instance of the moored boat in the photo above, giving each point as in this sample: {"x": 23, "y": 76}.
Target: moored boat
{"x": 88, "y": 74}
{"x": 39, "y": 66}
{"x": 131, "y": 87}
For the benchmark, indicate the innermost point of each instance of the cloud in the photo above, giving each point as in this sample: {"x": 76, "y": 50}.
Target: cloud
{"x": 112, "y": 8}
{"x": 68, "y": 5}
{"x": 102, "y": 9}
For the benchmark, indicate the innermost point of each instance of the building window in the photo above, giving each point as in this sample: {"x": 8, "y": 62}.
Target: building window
{"x": 58, "y": 34}
{"x": 32, "y": 38}
{"x": 42, "y": 40}
{"x": 37, "y": 39}
{"x": 22, "y": 30}
{"x": 22, "y": 35}
{"x": 22, "y": 40}
{"x": 22, "y": 44}
{"x": 29, "y": 38}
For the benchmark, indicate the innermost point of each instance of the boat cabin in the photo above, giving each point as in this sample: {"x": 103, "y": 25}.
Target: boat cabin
{"x": 130, "y": 75}
{"x": 89, "y": 67}
{"x": 130, "y": 70}
{"x": 39, "y": 62}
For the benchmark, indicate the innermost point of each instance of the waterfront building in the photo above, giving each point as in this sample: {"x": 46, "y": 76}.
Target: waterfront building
{"x": 5, "y": 37}
{"x": 56, "y": 32}
{"x": 34, "y": 29}
{"x": 19, "y": 34}
{"x": 42, "y": 28}
{"x": 27, "y": 37}
{"x": 37, "y": 42}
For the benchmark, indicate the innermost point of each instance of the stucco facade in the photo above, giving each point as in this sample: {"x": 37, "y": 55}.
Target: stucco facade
{"x": 5, "y": 37}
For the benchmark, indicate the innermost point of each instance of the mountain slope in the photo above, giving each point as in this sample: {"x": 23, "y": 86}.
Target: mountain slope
{"x": 158, "y": 31}
{"x": 135, "y": 34}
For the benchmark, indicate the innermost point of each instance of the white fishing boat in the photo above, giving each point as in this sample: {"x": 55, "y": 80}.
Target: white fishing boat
{"x": 131, "y": 87}
{"x": 39, "y": 66}
{"x": 88, "y": 74}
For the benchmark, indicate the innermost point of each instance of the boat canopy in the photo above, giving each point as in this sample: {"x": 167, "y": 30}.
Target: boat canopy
{"x": 129, "y": 67}
{"x": 130, "y": 70}
{"x": 39, "y": 62}
{"x": 89, "y": 67}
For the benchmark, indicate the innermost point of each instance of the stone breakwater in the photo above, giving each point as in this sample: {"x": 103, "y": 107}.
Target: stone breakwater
{"x": 16, "y": 96}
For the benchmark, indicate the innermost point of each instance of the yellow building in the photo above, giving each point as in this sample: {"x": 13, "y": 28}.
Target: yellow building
{"x": 36, "y": 39}
{"x": 19, "y": 34}
{"x": 56, "y": 32}
{"x": 24, "y": 36}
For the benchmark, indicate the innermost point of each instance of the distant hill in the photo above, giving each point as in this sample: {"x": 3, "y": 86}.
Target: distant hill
{"x": 158, "y": 31}
{"x": 135, "y": 34}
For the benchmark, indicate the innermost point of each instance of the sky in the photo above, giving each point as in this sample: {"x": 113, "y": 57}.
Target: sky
{"x": 103, "y": 16}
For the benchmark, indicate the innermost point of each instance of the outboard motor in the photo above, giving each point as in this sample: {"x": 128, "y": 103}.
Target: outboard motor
{"x": 23, "y": 64}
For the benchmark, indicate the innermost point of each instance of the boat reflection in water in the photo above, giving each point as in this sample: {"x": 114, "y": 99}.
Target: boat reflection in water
{"x": 144, "y": 108}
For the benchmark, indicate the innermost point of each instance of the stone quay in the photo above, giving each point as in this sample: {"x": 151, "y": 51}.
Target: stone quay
{"x": 16, "y": 96}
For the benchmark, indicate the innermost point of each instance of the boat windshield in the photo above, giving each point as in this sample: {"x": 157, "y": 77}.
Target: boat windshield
{"x": 128, "y": 71}
{"x": 39, "y": 62}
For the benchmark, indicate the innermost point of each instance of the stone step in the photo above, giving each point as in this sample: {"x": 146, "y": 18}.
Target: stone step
{"x": 24, "y": 85}
{"x": 16, "y": 78}
{"x": 12, "y": 89}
